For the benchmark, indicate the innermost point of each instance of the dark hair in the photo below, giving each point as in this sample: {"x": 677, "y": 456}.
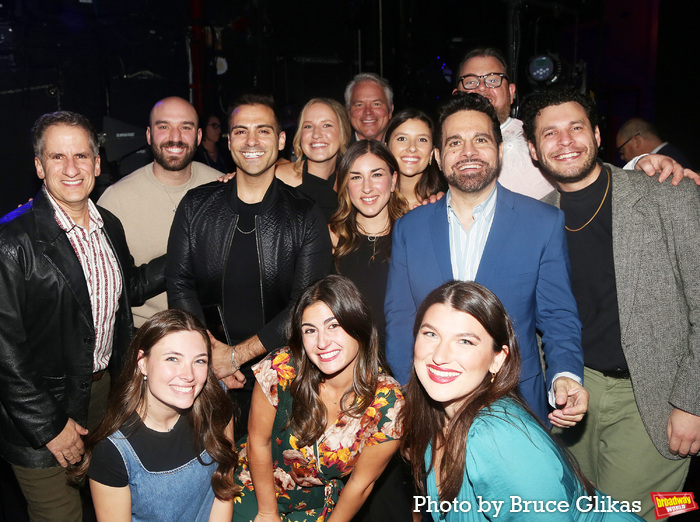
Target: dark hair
{"x": 209, "y": 416}
{"x": 256, "y": 99}
{"x": 467, "y": 101}
{"x": 424, "y": 419}
{"x": 431, "y": 181}
{"x": 485, "y": 52}
{"x": 71, "y": 119}
{"x": 344, "y": 222}
{"x": 309, "y": 416}
{"x": 533, "y": 106}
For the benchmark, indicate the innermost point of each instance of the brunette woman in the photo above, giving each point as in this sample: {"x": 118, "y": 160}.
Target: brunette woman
{"x": 469, "y": 435}
{"x": 164, "y": 449}
{"x": 321, "y": 411}
{"x": 409, "y": 136}
{"x": 361, "y": 228}
{"x": 320, "y": 141}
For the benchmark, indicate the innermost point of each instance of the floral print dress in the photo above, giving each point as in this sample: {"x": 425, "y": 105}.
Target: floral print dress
{"x": 308, "y": 480}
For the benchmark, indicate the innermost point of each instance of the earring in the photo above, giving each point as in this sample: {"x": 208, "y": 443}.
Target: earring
{"x": 145, "y": 378}
{"x": 493, "y": 377}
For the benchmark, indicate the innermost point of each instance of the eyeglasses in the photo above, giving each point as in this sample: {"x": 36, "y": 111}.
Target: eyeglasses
{"x": 214, "y": 125}
{"x": 491, "y": 80}
{"x": 619, "y": 149}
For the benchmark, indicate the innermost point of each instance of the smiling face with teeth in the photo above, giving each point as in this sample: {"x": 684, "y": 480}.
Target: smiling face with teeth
{"x": 470, "y": 156}
{"x": 173, "y": 135}
{"x": 411, "y": 144}
{"x": 320, "y": 133}
{"x": 327, "y": 345}
{"x": 454, "y": 355}
{"x": 370, "y": 183}
{"x": 369, "y": 110}
{"x": 254, "y": 140}
{"x": 68, "y": 167}
{"x": 566, "y": 145}
{"x": 176, "y": 370}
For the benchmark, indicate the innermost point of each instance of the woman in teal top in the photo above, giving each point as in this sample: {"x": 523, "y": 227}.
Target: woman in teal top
{"x": 469, "y": 438}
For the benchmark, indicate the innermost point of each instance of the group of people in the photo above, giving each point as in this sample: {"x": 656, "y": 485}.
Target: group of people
{"x": 413, "y": 379}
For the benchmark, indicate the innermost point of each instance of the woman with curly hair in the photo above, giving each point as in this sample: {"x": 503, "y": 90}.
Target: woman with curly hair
{"x": 322, "y": 424}
{"x": 164, "y": 450}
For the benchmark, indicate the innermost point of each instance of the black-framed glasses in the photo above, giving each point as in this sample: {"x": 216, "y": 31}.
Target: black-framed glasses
{"x": 491, "y": 80}
{"x": 619, "y": 149}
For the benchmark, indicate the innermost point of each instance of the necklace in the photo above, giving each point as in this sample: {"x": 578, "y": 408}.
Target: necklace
{"x": 373, "y": 238}
{"x": 186, "y": 187}
{"x": 164, "y": 427}
{"x": 244, "y": 232}
{"x": 596, "y": 212}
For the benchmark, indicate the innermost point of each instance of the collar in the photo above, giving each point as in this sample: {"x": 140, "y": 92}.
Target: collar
{"x": 66, "y": 223}
{"x": 657, "y": 149}
{"x": 485, "y": 207}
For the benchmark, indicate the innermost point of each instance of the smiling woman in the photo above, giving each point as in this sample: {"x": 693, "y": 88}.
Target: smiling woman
{"x": 329, "y": 410}
{"x": 164, "y": 450}
{"x": 475, "y": 449}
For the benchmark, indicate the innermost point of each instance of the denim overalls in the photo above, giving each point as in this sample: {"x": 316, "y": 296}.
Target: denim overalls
{"x": 183, "y": 493}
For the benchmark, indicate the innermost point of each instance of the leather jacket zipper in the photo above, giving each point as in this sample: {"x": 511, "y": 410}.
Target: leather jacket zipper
{"x": 260, "y": 269}
{"x": 228, "y": 252}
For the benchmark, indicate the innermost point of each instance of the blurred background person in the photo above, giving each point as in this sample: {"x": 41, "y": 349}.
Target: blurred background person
{"x": 211, "y": 151}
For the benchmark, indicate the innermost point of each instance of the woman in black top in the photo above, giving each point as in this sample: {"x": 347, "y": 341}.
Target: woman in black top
{"x": 320, "y": 141}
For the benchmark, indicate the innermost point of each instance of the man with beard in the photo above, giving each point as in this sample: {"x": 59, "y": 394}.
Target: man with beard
{"x": 484, "y": 71}
{"x": 513, "y": 245}
{"x": 633, "y": 245}
{"x": 145, "y": 201}
{"x": 248, "y": 247}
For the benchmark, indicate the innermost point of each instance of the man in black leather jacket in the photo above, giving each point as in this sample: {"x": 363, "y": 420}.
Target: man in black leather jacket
{"x": 57, "y": 335}
{"x": 248, "y": 247}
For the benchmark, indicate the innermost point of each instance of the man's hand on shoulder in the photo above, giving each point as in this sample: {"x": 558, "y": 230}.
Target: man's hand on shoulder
{"x": 664, "y": 166}
{"x": 572, "y": 402}
{"x": 683, "y": 433}
{"x": 67, "y": 446}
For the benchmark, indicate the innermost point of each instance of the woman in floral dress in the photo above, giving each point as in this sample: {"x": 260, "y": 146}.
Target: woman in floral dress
{"x": 323, "y": 421}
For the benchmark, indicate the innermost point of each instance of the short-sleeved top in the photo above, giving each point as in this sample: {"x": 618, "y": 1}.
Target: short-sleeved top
{"x": 310, "y": 478}
{"x": 511, "y": 458}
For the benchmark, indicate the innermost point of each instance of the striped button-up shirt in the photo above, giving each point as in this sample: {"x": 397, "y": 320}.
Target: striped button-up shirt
{"x": 102, "y": 275}
{"x": 467, "y": 247}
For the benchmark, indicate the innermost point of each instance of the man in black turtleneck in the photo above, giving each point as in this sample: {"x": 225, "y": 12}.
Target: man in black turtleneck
{"x": 634, "y": 246}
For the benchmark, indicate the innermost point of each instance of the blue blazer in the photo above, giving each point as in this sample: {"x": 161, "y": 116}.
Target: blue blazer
{"x": 525, "y": 263}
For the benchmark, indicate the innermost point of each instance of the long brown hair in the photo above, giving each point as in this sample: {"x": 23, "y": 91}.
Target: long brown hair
{"x": 209, "y": 415}
{"x": 345, "y": 130}
{"x": 309, "y": 416}
{"x": 344, "y": 222}
{"x": 424, "y": 419}
{"x": 431, "y": 180}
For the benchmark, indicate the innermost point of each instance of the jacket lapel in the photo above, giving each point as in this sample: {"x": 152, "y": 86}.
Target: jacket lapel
{"x": 59, "y": 252}
{"x": 504, "y": 218}
{"x": 627, "y": 231}
{"x": 440, "y": 235}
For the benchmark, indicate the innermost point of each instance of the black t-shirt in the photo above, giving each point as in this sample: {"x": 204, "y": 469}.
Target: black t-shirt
{"x": 243, "y": 311}
{"x": 158, "y": 451}
{"x": 593, "y": 272}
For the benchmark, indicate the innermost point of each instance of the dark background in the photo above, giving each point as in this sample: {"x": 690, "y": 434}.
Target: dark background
{"x": 115, "y": 58}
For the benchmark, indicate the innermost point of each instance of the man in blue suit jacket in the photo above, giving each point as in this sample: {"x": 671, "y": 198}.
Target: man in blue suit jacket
{"x": 512, "y": 244}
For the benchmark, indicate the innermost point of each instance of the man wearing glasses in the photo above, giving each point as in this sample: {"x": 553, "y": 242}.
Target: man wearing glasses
{"x": 483, "y": 71}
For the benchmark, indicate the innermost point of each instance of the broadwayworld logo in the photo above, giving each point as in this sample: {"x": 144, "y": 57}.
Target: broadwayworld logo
{"x": 669, "y": 504}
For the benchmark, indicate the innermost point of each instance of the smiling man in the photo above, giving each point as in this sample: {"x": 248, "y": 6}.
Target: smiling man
{"x": 513, "y": 245}
{"x": 248, "y": 247}
{"x": 633, "y": 245}
{"x": 66, "y": 281}
{"x": 145, "y": 201}
{"x": 370, "y": 103}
